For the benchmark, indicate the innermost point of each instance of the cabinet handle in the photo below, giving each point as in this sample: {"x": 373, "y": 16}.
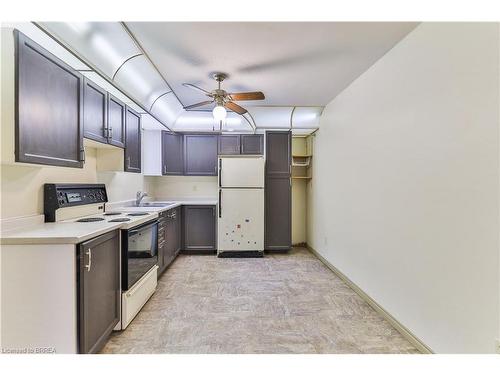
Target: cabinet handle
{"x": 220, "y": 172}
{"x": 88, "y": 266}
{"x": 220, "y": 203}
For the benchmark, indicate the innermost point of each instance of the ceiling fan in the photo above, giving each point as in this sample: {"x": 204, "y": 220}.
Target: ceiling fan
{"x": 223, "y": 99}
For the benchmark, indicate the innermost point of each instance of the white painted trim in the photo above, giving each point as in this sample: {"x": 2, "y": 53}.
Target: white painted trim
{"x": 387, "y": 316}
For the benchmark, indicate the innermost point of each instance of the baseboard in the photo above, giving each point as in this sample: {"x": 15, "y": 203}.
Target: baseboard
{"x": 387, "y": 316}
{"x": 241, "y": 254}
{"x": 198, "y": 252}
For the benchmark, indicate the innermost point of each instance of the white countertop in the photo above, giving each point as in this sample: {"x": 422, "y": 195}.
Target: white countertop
{"x": 175, "y": 203}
{"x": 71, "y": 232}
{"x": 57, "y": 233}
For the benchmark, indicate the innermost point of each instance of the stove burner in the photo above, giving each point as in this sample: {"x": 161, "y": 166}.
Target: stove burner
{"x": 89, "y": 219}
{"x": 137, "y": 214}
{"x": 120, "y": 219}
{"x": 111, "y": 213}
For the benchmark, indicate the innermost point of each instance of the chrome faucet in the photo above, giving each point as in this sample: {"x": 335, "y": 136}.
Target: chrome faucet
{"x": 139, "y": 196}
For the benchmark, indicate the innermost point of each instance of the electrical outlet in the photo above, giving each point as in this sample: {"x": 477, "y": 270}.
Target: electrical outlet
{"x": 497, "y": 345}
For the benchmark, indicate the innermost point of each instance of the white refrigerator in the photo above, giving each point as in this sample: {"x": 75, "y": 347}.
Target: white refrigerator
{"x": 241, "y": 206}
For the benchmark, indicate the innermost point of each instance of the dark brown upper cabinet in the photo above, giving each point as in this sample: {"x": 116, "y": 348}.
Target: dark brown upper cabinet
{"x": 278, "y": 153}
{"x": 103, "y": 116}
{"x": 95, "y": 112}
{"x": 49, "y": 103}
{"x": 172, "y": 153}
{"x": 116, "y": 121}
{"x": 252, "y": 144}
{"x": 200, "y": 154}
{"x": 132, "y": 141}
{"x": 229, "y": 144}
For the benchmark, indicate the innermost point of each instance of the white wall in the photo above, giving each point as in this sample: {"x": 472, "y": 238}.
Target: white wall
{"x": 405, "y": 199}
{"x": 22, "y": 185}
{"x": 121, "y": 186}
{"x": 299, "y": 200}
{"x": 169, "y": 187}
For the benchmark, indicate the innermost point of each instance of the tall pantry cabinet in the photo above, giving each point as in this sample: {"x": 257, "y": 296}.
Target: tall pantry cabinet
{"x": 278, "y": 191}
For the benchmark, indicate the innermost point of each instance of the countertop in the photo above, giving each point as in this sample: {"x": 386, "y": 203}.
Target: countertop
{"x": 70, "y": 232}
{"x": 57, "y": 233}
{"x": 176, "y": 203}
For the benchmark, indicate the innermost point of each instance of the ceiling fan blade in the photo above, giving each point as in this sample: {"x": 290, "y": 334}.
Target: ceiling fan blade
{"x": 254, "y": 95}
{"x": 196, "y": 88}
{"x": 198, "y": 104}
{"x": 235, "y": 108}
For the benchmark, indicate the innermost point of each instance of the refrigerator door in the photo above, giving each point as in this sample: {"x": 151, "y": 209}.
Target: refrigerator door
{"x": 238, "y": 172}
{"x": 241, "y": 220}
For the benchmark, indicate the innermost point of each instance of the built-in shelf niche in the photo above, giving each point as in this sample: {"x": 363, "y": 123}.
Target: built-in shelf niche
{"x": 301, "y": 158}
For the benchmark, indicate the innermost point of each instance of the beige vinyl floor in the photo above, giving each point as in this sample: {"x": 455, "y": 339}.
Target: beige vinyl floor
{"x": 286, "y": 303}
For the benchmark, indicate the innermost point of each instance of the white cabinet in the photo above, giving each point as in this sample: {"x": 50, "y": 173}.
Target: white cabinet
{"x": 151, "y": 152}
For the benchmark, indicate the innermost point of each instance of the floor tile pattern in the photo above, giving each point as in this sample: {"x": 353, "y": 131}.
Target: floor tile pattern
{"x": 282, "y": 303}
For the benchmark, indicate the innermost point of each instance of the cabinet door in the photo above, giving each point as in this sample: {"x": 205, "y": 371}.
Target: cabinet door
{"x": 132, "y": 141}
{"x": 162, "y": 225}
{"x": 252, "y": 144}
{"x": 199, "y": 228}
{"x": 99, "y": 290}
{"x": 178, "y": 229}
{"x": 171, "y": 236}
{"x": 95, "y": 112}
{"x": 229, "y": 144}
{"x": 49, "y": 112}
{"x": 278, "y": 153}
{"x": 278, "y": 214}
{"x": 200, "y": 155}
{"x": 172, "y": 153}
{"x": 116, "y": 121}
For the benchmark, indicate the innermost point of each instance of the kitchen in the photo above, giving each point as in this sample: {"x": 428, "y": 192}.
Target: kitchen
{"x": 154, "y": 200}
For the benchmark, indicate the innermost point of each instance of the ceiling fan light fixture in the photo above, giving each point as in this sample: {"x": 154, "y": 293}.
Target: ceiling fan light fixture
{"x": 219, "y": 113}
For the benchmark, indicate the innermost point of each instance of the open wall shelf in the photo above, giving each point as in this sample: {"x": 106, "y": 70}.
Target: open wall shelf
{"x": 301, "y": 158}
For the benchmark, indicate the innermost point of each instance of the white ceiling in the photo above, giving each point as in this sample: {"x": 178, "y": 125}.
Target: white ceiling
{"x": 294, "y": 64}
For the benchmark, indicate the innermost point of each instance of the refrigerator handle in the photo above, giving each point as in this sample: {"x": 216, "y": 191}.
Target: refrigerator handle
{"x": 220, "y": 203}
{"x": 220, "y": 172}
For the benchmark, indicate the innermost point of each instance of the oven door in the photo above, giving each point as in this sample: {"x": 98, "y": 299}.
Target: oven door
{"x": 140, "y": 252}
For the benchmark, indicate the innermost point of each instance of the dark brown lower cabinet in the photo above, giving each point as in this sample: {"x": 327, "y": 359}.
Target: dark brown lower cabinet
{"x": 278, "y": 213}
{"x": 169, "y": 237}
{"x": 199, "y": 229}
{"x": 98, "y": 280}
{"x": 162, "y": 241}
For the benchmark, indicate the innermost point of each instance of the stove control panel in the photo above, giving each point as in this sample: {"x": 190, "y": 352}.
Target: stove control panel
{"x": 57, "y": 196}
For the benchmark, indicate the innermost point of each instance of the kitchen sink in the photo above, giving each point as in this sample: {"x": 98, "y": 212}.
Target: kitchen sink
{"x": 154, "y": 204}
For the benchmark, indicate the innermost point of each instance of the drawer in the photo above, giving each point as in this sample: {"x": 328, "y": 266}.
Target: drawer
{"x": 134, "y": 298}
